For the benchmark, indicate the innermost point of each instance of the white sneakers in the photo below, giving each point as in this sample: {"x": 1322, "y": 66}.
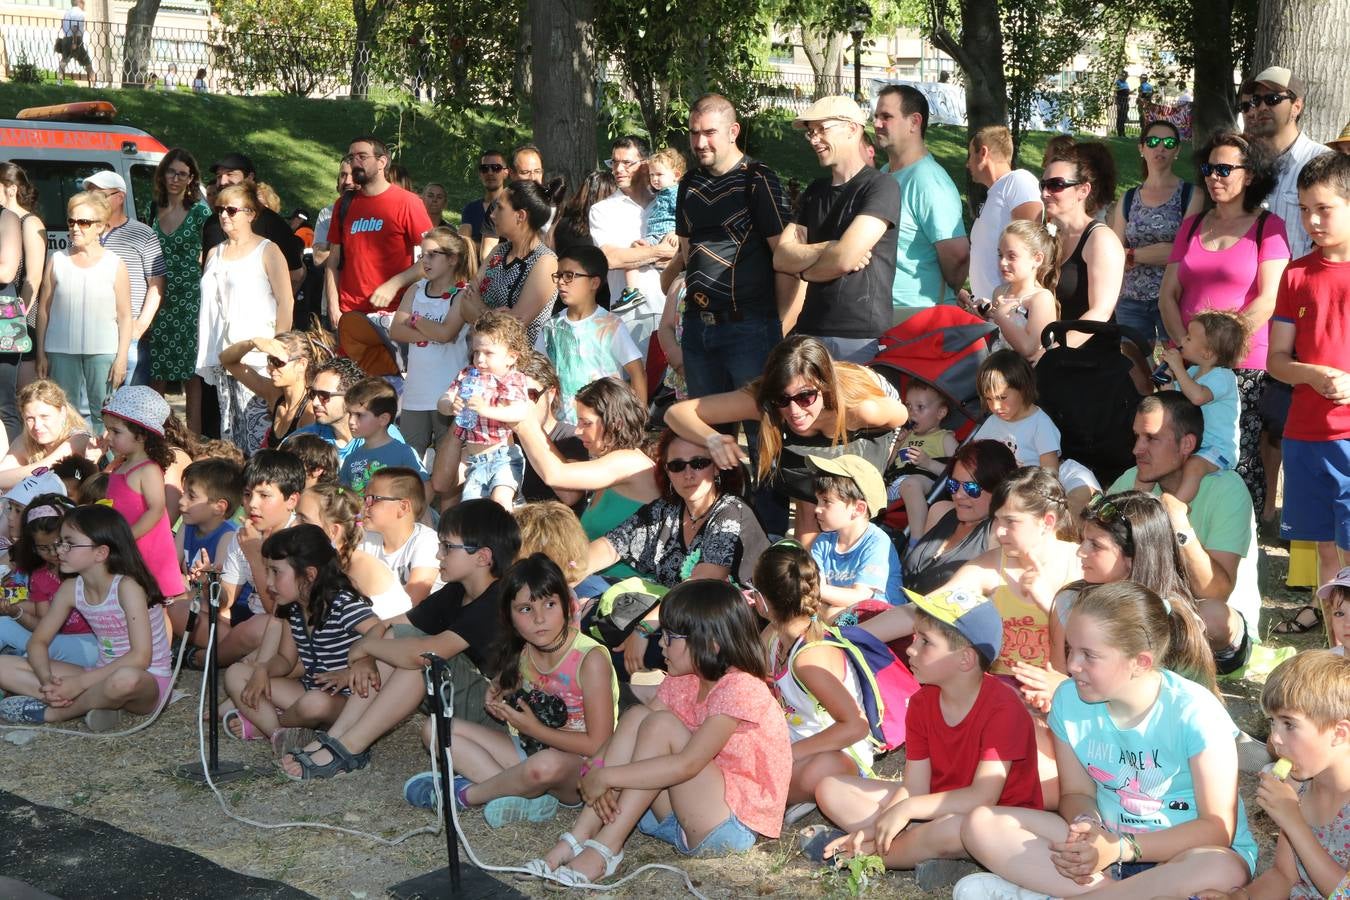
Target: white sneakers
{"x": 988, "y": 886}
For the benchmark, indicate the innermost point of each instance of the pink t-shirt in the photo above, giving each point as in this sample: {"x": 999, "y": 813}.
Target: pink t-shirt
{"x": 756, "y": 762}
{"x": 1227, "y": 279}
{"x": 42, "y": 587}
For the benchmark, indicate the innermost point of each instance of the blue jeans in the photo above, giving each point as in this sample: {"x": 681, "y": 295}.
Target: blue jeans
{"x": 83, "y": 375}
{"x": 76, "y": 649}
{"x": 138, "y": 361}
{"x": 1142, "y": 318}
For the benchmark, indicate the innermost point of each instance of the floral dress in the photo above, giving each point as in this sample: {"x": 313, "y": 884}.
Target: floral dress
{"x": 173, "y": 334}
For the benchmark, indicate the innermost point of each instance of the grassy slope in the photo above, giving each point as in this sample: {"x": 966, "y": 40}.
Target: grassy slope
{"x": 296, "y": 142}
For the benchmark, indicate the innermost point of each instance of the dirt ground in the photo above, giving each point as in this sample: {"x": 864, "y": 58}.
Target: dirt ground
{"x": 126, "y": 782}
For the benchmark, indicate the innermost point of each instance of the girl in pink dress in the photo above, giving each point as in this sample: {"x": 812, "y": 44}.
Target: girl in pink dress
{"x": 134, "y": 419}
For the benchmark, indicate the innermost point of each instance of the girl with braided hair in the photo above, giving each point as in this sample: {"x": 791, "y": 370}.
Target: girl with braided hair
{"x": 336, "y": 509}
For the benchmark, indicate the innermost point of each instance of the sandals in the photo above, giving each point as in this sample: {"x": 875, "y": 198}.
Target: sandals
{"x": 1295, "y": 623}
{"x": 343, "y": 761}
{"x": 247, "y": 730}
{"x": 566, "y": 876}
{"x": 540, "y": 869}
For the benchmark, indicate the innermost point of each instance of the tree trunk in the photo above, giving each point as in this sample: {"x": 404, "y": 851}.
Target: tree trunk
{"x": 824, "y": 52}
{"x": 563, "y": 98}
{"x": 369, "y": 17}
{"x": 98, "y": 39}
{"x": 979, "y": 53}
{"x": 523, "y": 77}
{"x": 1215, "y": 105}
{"x": 136, "y": 47}
{"x": 1309, "y": 37}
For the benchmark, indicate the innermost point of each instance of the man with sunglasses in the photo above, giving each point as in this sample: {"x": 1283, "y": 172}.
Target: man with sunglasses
{"x": 137, "y": 245}
{"x": 526, "y": 165}
{"x": 1271, "y": 104}
{"x": 492, "y": 172}
{"x": 328, "y": 386}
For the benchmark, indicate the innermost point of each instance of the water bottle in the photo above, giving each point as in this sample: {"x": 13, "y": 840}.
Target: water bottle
{"x": 1162, "y": 375}
{"x": 467, "y": 418}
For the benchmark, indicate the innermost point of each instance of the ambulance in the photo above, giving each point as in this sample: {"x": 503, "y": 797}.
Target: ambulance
{"x": 60, "y": 146}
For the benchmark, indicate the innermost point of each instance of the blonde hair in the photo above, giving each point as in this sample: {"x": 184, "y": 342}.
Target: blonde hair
{"x": 1038, "y": 239}
{"x": 90, "y": 198}
{"x": 671, "y": 158}
{"x": 550, "y": 528}
{"x": 268, "y": 197}
{"x": 1227, "y": 334}
{"x": 997, "y": 139}
{"x": 341, "y": 506}
{"x": 500, "y": 326}
{"x": 243, "y": 191}
{"x": 450, "y": 241}
{"x": 1315, "y": 683}
{"x": 49, "y": 392}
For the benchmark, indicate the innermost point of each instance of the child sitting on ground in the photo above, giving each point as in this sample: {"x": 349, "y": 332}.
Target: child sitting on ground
{"x": 119, "y": 598}
{"x": 969, "y": 743}
{"x": 557, "y": 692}
{"x": 493, "y": 462}
{"x": 318, "y": 616}
{"x": 1308, "y": 701}
{"x": 714, "y": 717}
{"x": 395, "y": 501}
{"x": 34, "y": 559}
{"x": 583, "y": 341}
{"x": 320, "y": 457}
{"x": 923, "y": 446}
{"x": 212, "y": 491}
{"x": 1215, "y": 342}
{"x": 372, "y": 405}
{"x": 665, "y": 168}
{"x": 857, "y": 560}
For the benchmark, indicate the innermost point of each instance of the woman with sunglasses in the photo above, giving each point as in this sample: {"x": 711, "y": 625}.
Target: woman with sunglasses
{"x": 1146, "y": 221}
{"x": 246, "y": 291}
{"x": 805, "y": 403}
{"x": 958, "y": 530}
{"x": 84, "y": 310}
{"x": 1231, "y": 258}
{"x": 698, "y": 527}
{"x": 281, "y": 403}
{"x": 1078, "y": 182}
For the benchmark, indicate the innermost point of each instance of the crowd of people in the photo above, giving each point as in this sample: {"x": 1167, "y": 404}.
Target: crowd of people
{"x": 636, "y": 430}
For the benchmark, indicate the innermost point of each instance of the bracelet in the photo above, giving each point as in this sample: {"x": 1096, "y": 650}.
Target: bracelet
{"x": 1136, "y": 853}
{"x": 597, "y": 763}
{"x": 412, "y": 320}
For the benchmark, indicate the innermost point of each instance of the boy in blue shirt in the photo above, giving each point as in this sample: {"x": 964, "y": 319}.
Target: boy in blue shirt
{"x": 371, "y": 407}
{"x": 857, "y": 559}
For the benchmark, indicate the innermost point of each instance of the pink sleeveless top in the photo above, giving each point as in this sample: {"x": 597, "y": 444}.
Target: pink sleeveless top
{"x": 156, "y": 545}
{"x": 109, "y": 622}
{"x": 564, "y": 681}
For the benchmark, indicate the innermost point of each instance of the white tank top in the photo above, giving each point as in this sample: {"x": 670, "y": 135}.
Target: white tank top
{"x": 109, "y": 623}
{"x": 237, "y": 304}
{"x": 83, "y": 313}
{"x": 433, "y": 367}
{"x": 805, "y": 716}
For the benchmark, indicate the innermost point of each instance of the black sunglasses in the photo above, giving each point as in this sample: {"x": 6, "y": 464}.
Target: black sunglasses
{"x": 1223, "y": 170}
{"x": 83, "y": 223}
{"x": 491, "y": 167}
{"x": 326, "y": 396}
{"x": 1169, "y": 143}
{"x": 972, "y": 488}
{"x": 801, "y": 398}
{"x": 1101, "y": 509}
{"x": 231, "y": 211}
{"x": 698, "y": 464}
{"x": 1264, "y": 99}
{"x": 1055, "y": 185}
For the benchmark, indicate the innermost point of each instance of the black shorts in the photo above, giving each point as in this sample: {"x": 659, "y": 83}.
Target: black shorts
{"x": 1226, "y": 662}
{"x": 1274, "y": 407}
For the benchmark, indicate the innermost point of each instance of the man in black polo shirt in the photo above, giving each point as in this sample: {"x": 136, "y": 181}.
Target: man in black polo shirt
{"x": 844, "y": 245}
{"x": 729, "y": 213}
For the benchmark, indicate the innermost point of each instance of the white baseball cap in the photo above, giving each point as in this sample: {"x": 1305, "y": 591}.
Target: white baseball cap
{"x": 106, "y": 180}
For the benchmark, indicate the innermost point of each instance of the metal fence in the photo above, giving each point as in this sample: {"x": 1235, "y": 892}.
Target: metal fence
{"x": 795, "y": 91}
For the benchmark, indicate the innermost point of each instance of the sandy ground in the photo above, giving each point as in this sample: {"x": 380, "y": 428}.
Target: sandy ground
{"x": 126, "y": 782}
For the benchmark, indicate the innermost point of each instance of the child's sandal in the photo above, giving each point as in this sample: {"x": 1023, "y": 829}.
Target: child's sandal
{"x": 247, "y": 730}
{"x": 343, "y": 761}
{"x": 539, "y": 867}
{"x": 570, "y": 877}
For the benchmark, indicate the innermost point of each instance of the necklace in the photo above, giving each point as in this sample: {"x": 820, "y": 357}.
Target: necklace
{"x": 693, "y": 519}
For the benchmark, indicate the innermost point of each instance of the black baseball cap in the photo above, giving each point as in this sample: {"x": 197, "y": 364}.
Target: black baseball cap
{"x": 234, "y": 161}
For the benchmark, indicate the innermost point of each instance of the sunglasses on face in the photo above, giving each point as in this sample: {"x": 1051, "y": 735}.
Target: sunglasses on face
{"x": 275, "y": 362}
{"x": 326, "y": 396}
{"x": 802, "y": 399}
{"x": 698, "y": 464}
{"x": 485, "y": 168}
{"x": 1263, "y": 99}
{"x": 82, "y": 223}
{"x": 1055, "y": 185}
{"x": 1223, "y": 170}
{"x": 231, "y": 211}
{"x": 1169, "y": 143}
{"x": 972, "y": 488}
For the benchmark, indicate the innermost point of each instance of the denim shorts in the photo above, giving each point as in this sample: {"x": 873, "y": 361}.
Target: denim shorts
{"x": 730, "y": 836}
{"x": 502, "y": 466}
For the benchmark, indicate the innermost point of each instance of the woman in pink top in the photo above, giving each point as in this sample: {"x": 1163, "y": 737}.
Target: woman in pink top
{"x": 1231, "y": 258}
{"x": 704, "y": 767}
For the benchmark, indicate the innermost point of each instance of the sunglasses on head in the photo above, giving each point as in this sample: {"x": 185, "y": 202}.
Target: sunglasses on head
{"x": 972, "y": 488}
{"x": 1223, "y": 170}
{"x": 1264, "y": 99}
{"x": 1055, "y": 185}
{"x": 1101, "y": 509}
{"x": 801, "y": 398}
{"x": 698, "y": 464}
{"x": 491, "y": 167}
{"x": 1152, "y": 141}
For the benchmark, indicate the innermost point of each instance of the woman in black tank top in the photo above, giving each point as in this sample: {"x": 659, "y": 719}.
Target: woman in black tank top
{"x": 1078, "y": 181}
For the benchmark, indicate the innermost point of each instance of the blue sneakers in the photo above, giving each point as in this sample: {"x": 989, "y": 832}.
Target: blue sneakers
{"x": 23, "y": 710}
{"x": 421, "y": 790}
{"x": 509, "y": 810}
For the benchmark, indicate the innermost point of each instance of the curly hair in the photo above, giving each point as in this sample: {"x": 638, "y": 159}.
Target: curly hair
{"x": 617, "y": 407}
{"x": 1260, "y": 166}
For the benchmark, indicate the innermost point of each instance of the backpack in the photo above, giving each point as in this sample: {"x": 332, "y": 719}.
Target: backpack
{"x": 884, "y": 684}
{"x": 1133, "y": 194}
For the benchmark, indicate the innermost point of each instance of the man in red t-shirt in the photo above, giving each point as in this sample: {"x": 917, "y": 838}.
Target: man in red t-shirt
{"x": 371, "y": 261}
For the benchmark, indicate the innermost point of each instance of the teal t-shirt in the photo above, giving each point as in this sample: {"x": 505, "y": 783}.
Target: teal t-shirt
{"x": 930, "y": 211}
{"x": 1143, "y": 774}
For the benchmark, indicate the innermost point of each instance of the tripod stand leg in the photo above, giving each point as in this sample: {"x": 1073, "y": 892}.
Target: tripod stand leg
{"x": 440, "y": 694}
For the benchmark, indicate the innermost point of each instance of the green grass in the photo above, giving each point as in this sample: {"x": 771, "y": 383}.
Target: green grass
{"x": 296, "y": 142}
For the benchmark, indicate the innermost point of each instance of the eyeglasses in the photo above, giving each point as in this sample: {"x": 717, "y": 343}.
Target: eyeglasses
{"x": 1169, "y": 143}
{"x": 372, "y": 499}
{"x": 358, "y": 157}
{"x": 276, "y": 362}
{"x": 698, "y": 464}
{"x": 1223, "y": 170}
{"x": 325, "y": 396}
{"x": 485, "y": 168}
{"x": 817, "y": 133}
{"x": 437, "y": 253}
{"x": 568, "y": 277}
{"x": 177, "y": 175}
{"x": 669, "y": 637}
{"x": 1264, "y": 99}
{"x": 801, "y": 399}
{"x": 1055, "y": 185}
{"x": 446, "y": 547}
{"x": 972, "y": 488}
{"x": 64, "y": 545}
{"x": 624, "y": 164}
{"x": 83, "y": 223}
{"x": 231, "y": 211}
